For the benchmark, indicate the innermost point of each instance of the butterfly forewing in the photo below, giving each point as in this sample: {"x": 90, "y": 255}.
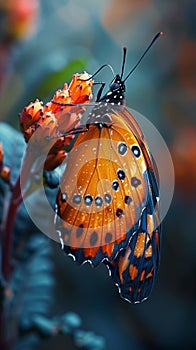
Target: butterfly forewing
{"x": 103, "y": 192}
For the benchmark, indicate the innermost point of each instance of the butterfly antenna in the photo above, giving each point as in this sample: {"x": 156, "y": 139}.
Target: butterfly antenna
{"x": 104, "y": 65}
{"x": 145, "y": 52}
{"x": 124, "y": 59}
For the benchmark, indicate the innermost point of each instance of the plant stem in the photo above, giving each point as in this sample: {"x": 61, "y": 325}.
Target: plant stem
{"x": 16, "y": 199}
{"x": 7, "y": 232}
{"x": 7, "y": 237}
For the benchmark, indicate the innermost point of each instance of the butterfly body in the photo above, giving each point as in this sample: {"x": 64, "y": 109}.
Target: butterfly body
{"x": 116, "y": 93}
{"x": 107, "y": 208}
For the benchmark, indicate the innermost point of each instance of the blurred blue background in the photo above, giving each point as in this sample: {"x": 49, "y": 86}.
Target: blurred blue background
{"x": 42, "y": 43}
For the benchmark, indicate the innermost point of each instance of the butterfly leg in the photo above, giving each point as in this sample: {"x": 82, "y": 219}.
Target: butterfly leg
{"x": 79, "y": 130}
{"x": 100, "y": 90}
{"x": 70, "y": 132}
{"x": 63, "y": 104}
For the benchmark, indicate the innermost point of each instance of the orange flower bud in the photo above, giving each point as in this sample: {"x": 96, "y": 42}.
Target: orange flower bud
{"x": 48, "y": 127}
{"x": 4, "y": 170}
{"x": 62, "y": 97}
{"x": 56, "y": 118}
{"x": 30, "y": 115}
{"x": 80, "y": 88}
{"x": 5, "y": 174}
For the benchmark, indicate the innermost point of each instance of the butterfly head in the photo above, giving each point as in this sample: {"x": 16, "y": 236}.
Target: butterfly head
{"x": 116, "y": 92}
{"x": 117, "y": 85}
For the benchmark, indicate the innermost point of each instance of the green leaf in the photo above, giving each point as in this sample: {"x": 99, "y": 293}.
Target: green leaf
{"x": 55, "y": 80}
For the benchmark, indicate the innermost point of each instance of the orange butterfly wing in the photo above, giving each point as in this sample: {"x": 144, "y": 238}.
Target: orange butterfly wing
{"x": 135, "y": 268}
{"x": 104, "y": 189}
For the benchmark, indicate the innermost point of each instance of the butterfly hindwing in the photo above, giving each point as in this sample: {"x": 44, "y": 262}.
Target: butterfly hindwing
{"x": 134, "y": 269}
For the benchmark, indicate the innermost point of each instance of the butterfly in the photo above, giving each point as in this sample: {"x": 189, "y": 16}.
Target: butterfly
{"x": 107, "y": 207}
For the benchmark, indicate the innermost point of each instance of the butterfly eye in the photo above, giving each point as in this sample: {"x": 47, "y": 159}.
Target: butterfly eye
{"x": 115, "y": 87}
{"x": 136, "y": 151}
